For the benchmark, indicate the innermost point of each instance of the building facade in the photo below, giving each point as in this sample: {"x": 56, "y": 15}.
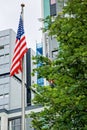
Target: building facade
{"x": 11, "y": 119}
{"x": 10, "y": 87}
{"x": 50, "y": 44}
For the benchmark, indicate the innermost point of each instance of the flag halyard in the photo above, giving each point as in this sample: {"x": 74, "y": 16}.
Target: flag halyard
{"x": 19, "y": 50}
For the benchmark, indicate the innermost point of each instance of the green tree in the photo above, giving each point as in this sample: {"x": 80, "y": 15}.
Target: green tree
{"x": 65, "y": 104}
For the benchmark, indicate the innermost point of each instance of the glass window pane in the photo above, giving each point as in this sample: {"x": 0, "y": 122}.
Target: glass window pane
{"x": 15, "y": 124}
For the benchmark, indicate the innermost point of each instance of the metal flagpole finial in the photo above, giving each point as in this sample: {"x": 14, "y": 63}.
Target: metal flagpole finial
{"x": 22, "y": 6}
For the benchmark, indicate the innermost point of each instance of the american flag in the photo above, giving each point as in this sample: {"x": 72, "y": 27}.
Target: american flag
{"x": 19, "y": 50}
{"x": 53, "y": 2}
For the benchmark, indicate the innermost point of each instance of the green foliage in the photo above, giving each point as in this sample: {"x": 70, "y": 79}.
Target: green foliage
{"x": 47, "y": 20}
{"x": 65, "y": 105}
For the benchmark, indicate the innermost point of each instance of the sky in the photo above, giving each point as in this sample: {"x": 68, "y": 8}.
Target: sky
{"x": 10, "y": 14}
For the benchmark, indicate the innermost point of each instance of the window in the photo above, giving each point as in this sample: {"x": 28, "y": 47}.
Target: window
{"x": 4, "y": 79}
{"x": 53, "y": 7}
{"x": 1, "y": 47}
{"x": 6, "y": 49}
{"x": 28, "y": 124}
{"x": 6, "y": 106}
{"x": 15, "y": 124}
{"x": 1, "y": 107}
{"x": 4, "y": 40}
{"x": 54, "y": 54}
{"x": 1, "y": 55}
{"x": 6, "y": 95}
{"x": 1, "y": 96}
{"x": 6, "y": 88}
{"x": 3, "y": 66}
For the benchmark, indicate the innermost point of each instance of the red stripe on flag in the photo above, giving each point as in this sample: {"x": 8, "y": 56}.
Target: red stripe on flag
{"x": 19, "y": 51}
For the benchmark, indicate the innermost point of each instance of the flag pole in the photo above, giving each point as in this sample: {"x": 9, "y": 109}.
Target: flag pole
{"x": 23, "y": 82}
